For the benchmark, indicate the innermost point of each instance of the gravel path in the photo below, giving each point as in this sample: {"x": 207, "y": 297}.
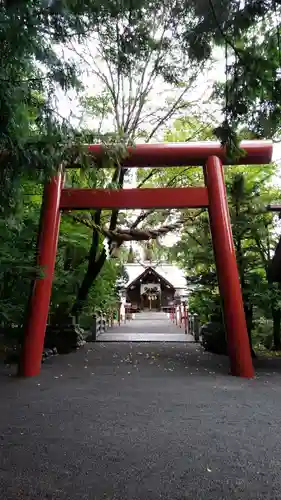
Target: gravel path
{"x": 119, "y": 421}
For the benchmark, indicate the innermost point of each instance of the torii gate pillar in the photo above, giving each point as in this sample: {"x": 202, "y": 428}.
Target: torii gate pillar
{"x": 31, "y": 357}
{"x": 227, "y": 271}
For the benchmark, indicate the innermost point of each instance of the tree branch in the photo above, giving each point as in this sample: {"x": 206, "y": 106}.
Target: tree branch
{"x": 168, "y": 114}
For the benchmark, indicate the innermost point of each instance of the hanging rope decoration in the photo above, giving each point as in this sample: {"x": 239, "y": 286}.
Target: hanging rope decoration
{"x": 107, "y": 248}
{"x": 121, "y": 235}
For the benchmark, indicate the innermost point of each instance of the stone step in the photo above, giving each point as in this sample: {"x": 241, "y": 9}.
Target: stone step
{"x": 144, "y": 337}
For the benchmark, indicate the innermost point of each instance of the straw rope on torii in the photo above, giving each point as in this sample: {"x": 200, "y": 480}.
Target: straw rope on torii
{"x": 121, "y": 235}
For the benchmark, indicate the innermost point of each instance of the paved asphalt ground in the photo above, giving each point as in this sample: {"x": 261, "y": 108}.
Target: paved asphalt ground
{"x": 140, "y": 421}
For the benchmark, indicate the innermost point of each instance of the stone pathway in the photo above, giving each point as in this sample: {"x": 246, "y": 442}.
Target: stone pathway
{"x": 147, "y": 327}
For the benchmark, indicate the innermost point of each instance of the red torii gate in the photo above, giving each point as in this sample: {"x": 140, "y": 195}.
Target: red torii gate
{"x": 212, "y": 196}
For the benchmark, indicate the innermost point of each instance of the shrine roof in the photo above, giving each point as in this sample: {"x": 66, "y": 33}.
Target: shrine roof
{"x": 169, "y": 272}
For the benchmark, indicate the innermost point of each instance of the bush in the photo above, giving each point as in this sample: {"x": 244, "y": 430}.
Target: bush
{"x": 262, "y": 333}
{"x": 213, "y": 338}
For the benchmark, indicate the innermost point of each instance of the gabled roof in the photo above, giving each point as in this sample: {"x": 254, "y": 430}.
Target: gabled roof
{"x": 169, "y": 272}
{"x": 147, "y": 271}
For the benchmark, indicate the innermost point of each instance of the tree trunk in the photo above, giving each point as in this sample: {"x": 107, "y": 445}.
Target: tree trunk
{"x": 276, "y": 316}
{"x": 94, "y": 268}
{"x": 248, "y": 308}
{"x": 95, "y": 265}
{"x": 249, "y": 313}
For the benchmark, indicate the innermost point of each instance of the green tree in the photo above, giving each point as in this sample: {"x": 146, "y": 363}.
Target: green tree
{"x": 34, "y": 139}
{"x": 18, "y": 267}
{"x": 254, "y": 238}
{"x": 127, "y": 80}
{"x": 17, "y": 257}
{"x": 250, "y": 35}
{"x": 250, "y": 190}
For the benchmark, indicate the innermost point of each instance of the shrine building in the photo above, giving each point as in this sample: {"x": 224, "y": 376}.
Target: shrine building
{"x": 154, "y": 286}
